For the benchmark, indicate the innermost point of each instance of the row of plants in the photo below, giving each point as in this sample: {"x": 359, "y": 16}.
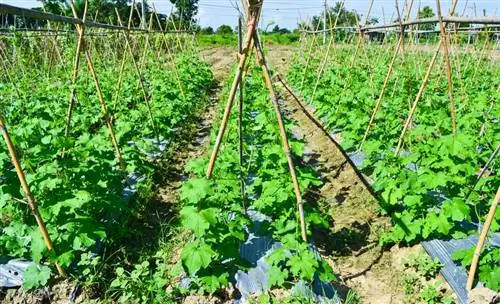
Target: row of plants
{"x": 81, "y": 191}
{"x": 215, "y": 216}
{"x": 429, "y": 189}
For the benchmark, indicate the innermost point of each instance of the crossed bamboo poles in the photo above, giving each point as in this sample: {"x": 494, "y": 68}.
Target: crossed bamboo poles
{"x": 443, "y": 44}
{"x": 81, "y": 48}
{"x": 253, "y": 12}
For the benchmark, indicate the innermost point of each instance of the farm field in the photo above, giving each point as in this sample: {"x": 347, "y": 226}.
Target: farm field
{"x": 141, "y": 166}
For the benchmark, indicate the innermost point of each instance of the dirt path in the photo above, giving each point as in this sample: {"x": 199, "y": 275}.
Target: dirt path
{"x": 351, "y": 246}
{"x": 223, "y": 58}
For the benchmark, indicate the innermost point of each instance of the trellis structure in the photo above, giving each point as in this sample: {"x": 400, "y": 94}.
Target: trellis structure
{"x": 83, "y": 45}
{"x": 406, "y": 29}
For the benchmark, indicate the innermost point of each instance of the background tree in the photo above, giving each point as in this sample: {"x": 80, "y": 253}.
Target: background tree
{"x": 207, "y": 30}
{"x": 278, "y": 30}
{"x": 104, "y": 10}
{"x": 426, "y": 12}
{"x": 224, "y": 30}
{"x": 185, "y": 13}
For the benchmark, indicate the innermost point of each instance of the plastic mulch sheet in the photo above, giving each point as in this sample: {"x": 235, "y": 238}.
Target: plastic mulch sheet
{"x": 453, "y": 273}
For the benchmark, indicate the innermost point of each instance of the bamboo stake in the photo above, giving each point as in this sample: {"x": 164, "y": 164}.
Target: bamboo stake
{"x": 448, "y": 68}
{"x": 177, "y": 34}
{"x": 399, "y": 45}
{"x": 382, "y": 92}
{"x": 7, "y": 74}
{"x": 252, "y": 24}
{"x": 170, "y": 55}
{"x": 147, "y": 46}
{"x": 122, "y": 65}
{"x": 481, "y": 173}
{"x": 74, "y": 78}
{"x": 104, "y": 110}
{"x": 421, "y": 90}
{"x": 308, "y": 59}
{"x": 240, "y": 115}
{"x": 139, "y": 75}
{"x": 482, "y": 240}
{"x": 327, "y": 53}
{"x": 284, "y": 139}
{"x": 30, "y": 199}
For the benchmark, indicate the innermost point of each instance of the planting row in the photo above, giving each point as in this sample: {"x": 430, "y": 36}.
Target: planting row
{"x": 81, "y": 191}
{"x": 429, "y": 189}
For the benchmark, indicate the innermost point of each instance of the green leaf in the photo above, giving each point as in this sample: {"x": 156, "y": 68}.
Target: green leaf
{"x": 277, "y": 277}
{"x": 195, "y": 221}
{"x": 196, "y": 190}
{"x": 35, "y": 276}
{"x": 303, "y": 265}
{"x": 196, "y": 256}
{"x": 37, "y": 245}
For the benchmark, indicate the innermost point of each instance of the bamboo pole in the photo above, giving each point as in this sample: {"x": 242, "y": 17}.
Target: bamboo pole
{"x": 327, "y": 53}
{"x": 448, "y": 69}
{"x": 74, "y": 78}
{"x": 252, "y": 24}
{"x": 284, "y": 139}
{"x": 104, "y": 110}
{"x": 139, "y": 75}
{"x": 482, "y": 240}
{"x": 122, "y": 65}
{"x": 147, "y": 46}
{"x": 421, "y": 90}
{"x": 399, "y": 46}
{"x": 382, "y": 92}
{"x": 169, "y": 54}
{"x": 240, "y": 115}
{"x": 29, "y": 196}
{"x": 7, "y": 73}
{"x": 308, "y": 60}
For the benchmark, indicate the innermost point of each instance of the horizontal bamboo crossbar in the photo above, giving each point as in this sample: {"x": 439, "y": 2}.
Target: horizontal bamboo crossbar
{"x": 34, "y": 14}
{"x": 448, "y": 19}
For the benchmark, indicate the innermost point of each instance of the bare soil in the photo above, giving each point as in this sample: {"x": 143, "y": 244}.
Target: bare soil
{"x": 351, "y": 246}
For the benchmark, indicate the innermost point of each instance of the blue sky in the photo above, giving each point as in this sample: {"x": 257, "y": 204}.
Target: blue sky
{"x": 286, "y": 13}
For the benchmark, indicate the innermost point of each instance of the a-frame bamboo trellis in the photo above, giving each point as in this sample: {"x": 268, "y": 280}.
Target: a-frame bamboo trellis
{"x": 253, "y": 9}
{"x": 82, "y": 47}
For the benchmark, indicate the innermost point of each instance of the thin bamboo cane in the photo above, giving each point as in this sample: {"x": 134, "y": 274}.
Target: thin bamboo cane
{"x": 481, "y": 55}
{"x": 74, "y": 78}
{"x": 327, "y": 53}
{"x": 240, "y": 116}
{"x": 252, "y": 24}
{"x": 482, "y": 172}
{"x": 284, "y": 139}
{"x": 382, "y": 92}
{"x": 360, "y": 35}
{"x": 308, "y": 60}
{"x": 100, "y": 97}
{"x": 399, "y": 45}
{"x": 448, "y": 68}
{"x": 7, "y": 74}
{"x": 482, "y": 239}
{"x": 169, "y": 54}
{"x": 177, "y": 34}
{"x": 29, "y": 196}
{"x": 147, "y": 46}
{"x": 122, "y": 65}
{"x": 421, "y": 90}
{"x": 140, "y": 76}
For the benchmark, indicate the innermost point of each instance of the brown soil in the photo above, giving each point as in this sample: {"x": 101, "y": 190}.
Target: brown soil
{"x": 222, "y": 58}
{"x": 351, "y": 245}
